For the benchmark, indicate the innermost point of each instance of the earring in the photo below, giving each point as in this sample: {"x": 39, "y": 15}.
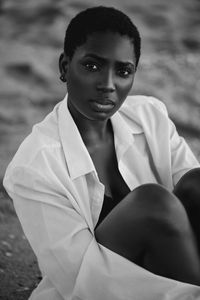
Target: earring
{"x": 62, "y": 78}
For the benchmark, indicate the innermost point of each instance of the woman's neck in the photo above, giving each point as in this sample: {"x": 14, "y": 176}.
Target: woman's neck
{"x": 93, "y": 133}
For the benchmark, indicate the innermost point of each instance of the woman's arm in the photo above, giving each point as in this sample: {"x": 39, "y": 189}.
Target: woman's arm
{"x": 58, "y": 235}
{"x": 75, "y": 264}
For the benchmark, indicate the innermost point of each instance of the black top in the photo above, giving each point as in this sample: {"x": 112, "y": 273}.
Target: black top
{"x": 108, "y": 204}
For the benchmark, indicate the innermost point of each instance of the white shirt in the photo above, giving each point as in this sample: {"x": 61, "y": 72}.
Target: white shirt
{"x": 58, "y": 198}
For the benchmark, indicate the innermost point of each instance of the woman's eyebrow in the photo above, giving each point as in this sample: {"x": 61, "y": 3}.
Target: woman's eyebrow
{"x": 104, "y": 60}
{"x": 125, "y": 64}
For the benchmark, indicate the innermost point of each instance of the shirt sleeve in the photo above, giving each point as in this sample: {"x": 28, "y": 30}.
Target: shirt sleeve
{"x": 182, "y": 157}
{"x": 171, "y": 154}
{"x": 58, "y": 234}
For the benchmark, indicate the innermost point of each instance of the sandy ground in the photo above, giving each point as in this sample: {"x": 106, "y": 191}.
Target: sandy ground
{"x": 31, "y": 39}
{"x": 19, "y": 273}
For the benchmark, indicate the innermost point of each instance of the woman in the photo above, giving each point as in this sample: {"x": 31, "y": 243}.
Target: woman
{"x": 105, "y": 189}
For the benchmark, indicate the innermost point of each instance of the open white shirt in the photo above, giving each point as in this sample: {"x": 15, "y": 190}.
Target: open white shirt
{"x": 58, "y": 198}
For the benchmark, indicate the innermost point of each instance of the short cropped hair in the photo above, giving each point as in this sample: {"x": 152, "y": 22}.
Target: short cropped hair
{"x": 100, "y": 19}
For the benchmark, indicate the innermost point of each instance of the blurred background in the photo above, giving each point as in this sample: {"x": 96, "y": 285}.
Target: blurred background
{"x": 31, "y": 40}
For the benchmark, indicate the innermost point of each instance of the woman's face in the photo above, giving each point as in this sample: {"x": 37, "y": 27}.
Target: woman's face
{"x": 100, "y": 75}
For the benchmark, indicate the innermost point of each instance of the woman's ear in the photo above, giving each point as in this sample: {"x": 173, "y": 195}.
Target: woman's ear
{"x": 63, "y": 64}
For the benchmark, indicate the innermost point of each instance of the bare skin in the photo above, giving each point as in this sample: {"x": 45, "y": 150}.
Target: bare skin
{"x": 105, "y": 161}
{"x": 150, "y": 227}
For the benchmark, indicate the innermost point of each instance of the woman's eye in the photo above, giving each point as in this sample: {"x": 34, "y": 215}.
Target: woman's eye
{"x": 124, "y": 72}
{"x": 91, "y": 67}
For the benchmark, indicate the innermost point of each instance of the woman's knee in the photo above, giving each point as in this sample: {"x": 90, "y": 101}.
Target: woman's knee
{"x": 146, "y": 214}
{"x": 158, "y": 209}
{"x": 188, "y": 186}
{"x": 153, "y": 199}
{"x": 148, "y": 207}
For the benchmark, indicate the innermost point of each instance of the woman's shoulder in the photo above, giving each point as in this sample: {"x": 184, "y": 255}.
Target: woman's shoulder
{"x": 145, "y": 111}
{"x": 143, "y": 103}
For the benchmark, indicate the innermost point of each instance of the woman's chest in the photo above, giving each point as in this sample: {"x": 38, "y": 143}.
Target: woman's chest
{"x": 106, "y": 165}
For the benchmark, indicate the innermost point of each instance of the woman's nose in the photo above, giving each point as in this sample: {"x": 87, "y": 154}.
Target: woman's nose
{"x": 106, "y": 82}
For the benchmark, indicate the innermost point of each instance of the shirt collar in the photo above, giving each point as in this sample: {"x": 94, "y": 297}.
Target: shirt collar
{"x": 77, "y": 156}
{"x": 124, "y": 131}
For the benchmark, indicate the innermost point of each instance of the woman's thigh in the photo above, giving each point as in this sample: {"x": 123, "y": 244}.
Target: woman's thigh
{"x": 150, "y": 227}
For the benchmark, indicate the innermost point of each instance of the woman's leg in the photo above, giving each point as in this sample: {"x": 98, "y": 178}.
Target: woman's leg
{"x": 150, "y": 227}
{"x": 188, "y": 191}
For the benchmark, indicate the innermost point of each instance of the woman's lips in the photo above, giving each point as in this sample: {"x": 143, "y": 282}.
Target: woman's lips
{"x": 103, "y": 105}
